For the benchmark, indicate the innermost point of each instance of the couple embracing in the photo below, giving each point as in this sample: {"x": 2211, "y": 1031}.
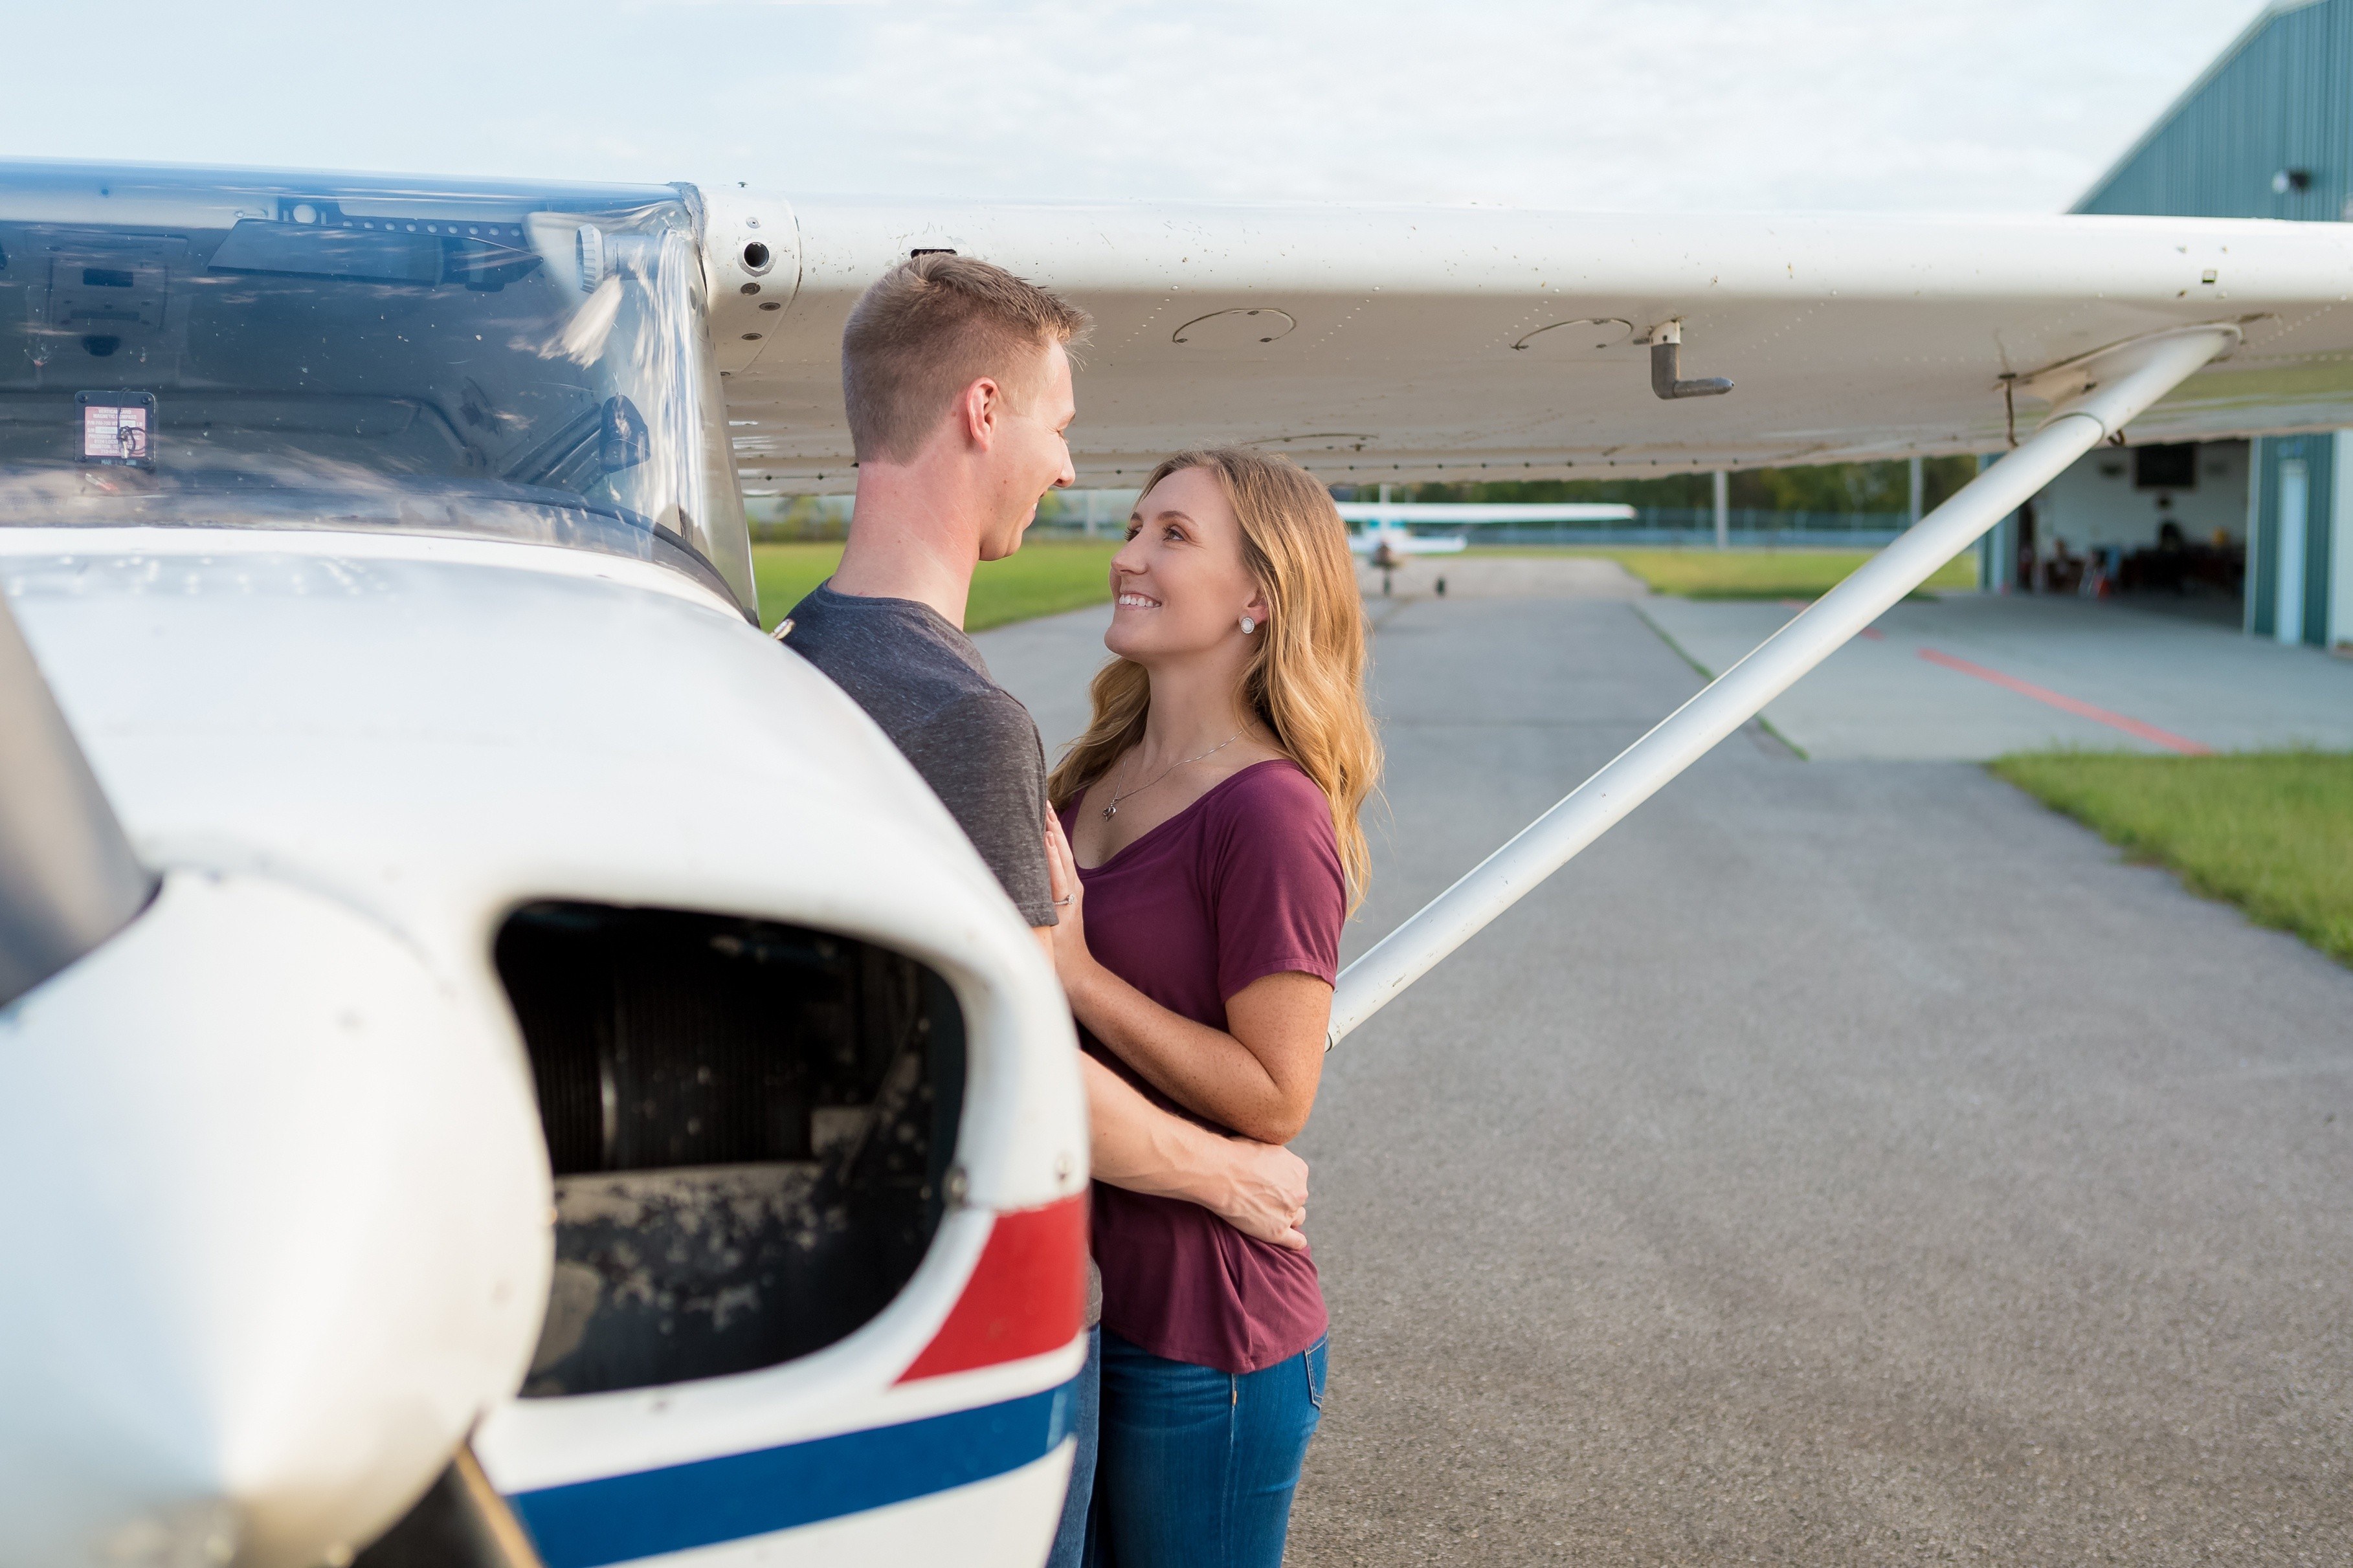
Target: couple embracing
{"x": 1186, "y": 865}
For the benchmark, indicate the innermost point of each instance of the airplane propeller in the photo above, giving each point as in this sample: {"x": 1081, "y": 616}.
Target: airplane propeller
{"x": 67, "y": 877}
{"x": 283, "y": 1205}
{"x": 462, "y": 1522}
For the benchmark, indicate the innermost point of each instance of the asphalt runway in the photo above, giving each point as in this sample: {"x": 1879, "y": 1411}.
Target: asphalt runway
{"x": 1841, "y": 1163}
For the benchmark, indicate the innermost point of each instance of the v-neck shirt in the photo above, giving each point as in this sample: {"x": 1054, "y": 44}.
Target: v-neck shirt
{"x": 1243, "y": 883}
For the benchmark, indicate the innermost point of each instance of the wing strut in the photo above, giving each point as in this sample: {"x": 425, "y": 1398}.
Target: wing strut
{"x": 2127, "y": 380}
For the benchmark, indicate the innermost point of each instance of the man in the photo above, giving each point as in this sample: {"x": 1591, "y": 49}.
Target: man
{"x": 956, "y": 375}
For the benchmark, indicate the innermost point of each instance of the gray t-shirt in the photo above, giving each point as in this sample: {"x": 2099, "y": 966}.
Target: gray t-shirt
{"x": 926, "y": 685}
{"x": 925, "y": 682}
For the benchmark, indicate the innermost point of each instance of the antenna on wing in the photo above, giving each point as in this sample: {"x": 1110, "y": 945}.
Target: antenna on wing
{"x": 68, "y": 878}
{"x": 1666, "y": 367}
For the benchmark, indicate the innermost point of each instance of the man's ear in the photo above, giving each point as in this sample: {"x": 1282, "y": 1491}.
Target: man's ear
{"x": 980, "y": 410}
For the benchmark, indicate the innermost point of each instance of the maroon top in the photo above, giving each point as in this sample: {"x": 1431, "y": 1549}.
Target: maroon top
{"x": 1243, "y": 883}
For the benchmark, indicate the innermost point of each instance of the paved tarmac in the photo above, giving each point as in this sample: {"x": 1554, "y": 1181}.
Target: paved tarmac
{"x": 1500, "y": 577}
{"x": 1969, "y": 675}
{"x": 1842, "y": 1161}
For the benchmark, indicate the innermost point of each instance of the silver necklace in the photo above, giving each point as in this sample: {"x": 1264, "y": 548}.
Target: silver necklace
{"x": 1117, "y": 795}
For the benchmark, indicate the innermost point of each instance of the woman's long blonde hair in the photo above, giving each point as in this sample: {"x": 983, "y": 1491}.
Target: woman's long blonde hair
{"x": 1305, "y": 680}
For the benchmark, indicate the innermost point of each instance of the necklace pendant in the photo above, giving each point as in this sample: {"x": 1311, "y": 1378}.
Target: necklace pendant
{"x": 1110, "y": 811}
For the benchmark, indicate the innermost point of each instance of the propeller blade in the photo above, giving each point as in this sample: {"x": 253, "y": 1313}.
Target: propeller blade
{"x": 461, "y": 1522}
{"x": 67, "y": 877}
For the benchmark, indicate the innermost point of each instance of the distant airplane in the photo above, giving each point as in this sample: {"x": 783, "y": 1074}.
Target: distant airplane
{"x": 1387, "y": 539}
{"x": 497, "y": 1051}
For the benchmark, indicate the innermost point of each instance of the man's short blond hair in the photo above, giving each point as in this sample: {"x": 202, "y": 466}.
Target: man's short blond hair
{"x": 930, "y": 327}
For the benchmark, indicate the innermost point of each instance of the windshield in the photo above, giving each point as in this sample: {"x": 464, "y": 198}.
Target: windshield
{"x": 185, "y": 347}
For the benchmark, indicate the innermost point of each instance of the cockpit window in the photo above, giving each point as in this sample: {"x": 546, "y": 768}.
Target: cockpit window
{"x": 217, "y": 350}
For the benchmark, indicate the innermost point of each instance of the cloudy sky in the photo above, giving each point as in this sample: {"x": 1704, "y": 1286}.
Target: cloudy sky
{"x": 1985, "y": 105}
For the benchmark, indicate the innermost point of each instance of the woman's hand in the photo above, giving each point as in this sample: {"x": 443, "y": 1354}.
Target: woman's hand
{"x": 1072, "y": 962}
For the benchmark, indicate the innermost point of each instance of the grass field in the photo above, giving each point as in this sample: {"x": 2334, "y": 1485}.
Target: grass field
{"x": 2269, "y": 831}
{"x": 1748, "y": 573}
{"x": 1043, "y": 578}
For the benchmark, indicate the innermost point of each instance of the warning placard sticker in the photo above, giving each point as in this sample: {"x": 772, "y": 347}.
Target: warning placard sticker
{"x": 118, "y": 429}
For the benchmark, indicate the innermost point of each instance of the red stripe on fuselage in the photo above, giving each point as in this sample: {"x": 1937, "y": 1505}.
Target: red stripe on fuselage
{"x": 1027, "y": 1294}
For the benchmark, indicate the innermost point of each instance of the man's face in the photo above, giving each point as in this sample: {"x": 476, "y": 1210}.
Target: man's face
{"x": 1030, "y": 454}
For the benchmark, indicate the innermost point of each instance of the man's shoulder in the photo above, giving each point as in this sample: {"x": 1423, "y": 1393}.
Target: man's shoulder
{"x": 982, "y": 714}
{"x": 878, "y": 644}
{"x": 826, "y": 616}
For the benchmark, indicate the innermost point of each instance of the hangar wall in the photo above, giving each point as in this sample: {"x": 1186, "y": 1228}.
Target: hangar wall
{"x": 2266, "y": 131}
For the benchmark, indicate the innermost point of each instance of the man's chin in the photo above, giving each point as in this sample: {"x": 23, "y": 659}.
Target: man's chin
{"x": 998, "y": 549}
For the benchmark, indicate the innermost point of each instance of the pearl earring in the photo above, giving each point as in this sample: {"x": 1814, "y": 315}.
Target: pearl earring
{"x": 1249, "y": 626}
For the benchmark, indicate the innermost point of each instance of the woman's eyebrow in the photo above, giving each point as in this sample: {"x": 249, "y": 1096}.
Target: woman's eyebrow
{"x": 1168, "y": 515}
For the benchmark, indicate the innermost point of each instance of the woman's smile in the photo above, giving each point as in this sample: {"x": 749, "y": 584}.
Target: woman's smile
{"x": 1130, "y": 599}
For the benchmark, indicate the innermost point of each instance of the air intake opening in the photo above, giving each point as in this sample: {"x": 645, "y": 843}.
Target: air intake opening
{"x": 751, "y": 1125}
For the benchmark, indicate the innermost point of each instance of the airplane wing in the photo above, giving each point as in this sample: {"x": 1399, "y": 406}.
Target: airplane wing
{"x": 1479, "y": 514}
{"x": 1384, "y": 534}
{"x": 1463, "y": 344}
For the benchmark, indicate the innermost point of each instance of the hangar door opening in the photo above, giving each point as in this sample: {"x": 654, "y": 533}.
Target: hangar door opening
{"x": 2162, "y": 528}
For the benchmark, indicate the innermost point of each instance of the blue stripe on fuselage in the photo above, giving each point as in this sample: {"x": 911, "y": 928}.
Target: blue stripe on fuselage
{"x": 620, "y": 1517}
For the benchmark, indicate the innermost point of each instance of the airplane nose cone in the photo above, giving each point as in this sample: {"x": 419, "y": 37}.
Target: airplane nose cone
{"x": 276, "y": 1232}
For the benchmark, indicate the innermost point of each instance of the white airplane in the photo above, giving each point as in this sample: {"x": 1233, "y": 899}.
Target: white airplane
{"x": 502, "y": 1062}
{"x": 1387, "y": 537}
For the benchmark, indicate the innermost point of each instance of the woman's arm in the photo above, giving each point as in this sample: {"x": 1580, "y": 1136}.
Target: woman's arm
{"x": 1258, "y": 1079}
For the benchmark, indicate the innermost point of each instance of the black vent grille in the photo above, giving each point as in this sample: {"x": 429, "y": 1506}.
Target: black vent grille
{"x": 751, "y": 1125}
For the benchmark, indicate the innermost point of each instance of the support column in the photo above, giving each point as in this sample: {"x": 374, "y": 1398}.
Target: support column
{"x": 1920, "y": 488}
{"x": 1996, "y": 549}
{"x": 2252, "y": 617}
{"x": 1723, "y": 510}
{"x": 2292, "y": 522}
{"x": 2339, "y": 609}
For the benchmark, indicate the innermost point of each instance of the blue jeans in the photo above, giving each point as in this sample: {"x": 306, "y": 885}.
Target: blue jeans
{"x": 1086, "y": 1415}
{"x": 1197, "y": 1465}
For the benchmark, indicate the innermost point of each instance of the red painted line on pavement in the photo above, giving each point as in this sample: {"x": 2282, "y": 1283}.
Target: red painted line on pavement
{"x": 2134, "y": 727}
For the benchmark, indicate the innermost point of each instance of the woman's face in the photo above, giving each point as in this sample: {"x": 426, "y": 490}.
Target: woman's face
{"x": 1180, "y": 585}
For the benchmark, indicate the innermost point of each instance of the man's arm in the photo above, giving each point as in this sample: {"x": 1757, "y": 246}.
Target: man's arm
{"x": 1259, "y": 1189}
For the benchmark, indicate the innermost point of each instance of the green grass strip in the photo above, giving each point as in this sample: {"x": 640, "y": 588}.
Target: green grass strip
{"x": 2269, "y": 831}
{"x": 1748, "y": 573}
{"x": 1042, "y": 578}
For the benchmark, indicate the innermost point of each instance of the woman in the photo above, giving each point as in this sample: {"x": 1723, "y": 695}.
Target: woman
{"x": 1207, "y": 849}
